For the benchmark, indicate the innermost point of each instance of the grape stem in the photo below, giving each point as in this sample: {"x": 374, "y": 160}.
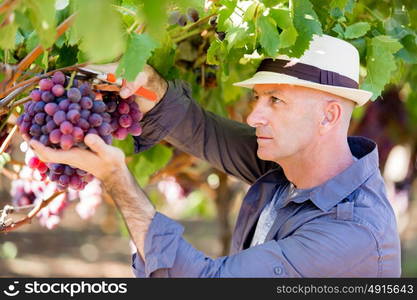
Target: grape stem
{"x": 8, "y": 139}
{"x": 27, "y": 219}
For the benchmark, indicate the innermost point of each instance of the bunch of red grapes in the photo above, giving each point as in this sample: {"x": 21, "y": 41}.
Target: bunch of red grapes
{"x": 60, "y": 116}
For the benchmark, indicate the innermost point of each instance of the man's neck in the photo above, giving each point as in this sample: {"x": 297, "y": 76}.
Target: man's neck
{"x": 317, "y": 164}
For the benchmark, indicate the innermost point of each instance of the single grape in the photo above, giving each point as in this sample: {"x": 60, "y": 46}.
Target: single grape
{"x": 135, "y": 129}
{"x": 58, "y": 78}
{"x": 95, "y": 120}
{"x": 75, "y": 106}
{"x": 34, "y": 162}
{"x": 99, "y": 107}
{"x": 46, "y": 84}
{"x": 86, "y": 103}
{"x": 55, "y": 136}
{"x": 50, "y": 126}
{"x": 173, "y": 17}
{"x": 42, "y": 168}
{"x": 85, "y": 114}
{"x": 120, "y": 133}
{"x": 85, "y": 89}
{"x": 75, "y": 182}
{"x": 64, "y": 180}
{"x": 59, "y": 117}
{"x": 78, "y": 134}
{"x": 104, "y": 129}
{"x": 80, "y": 172}
{"x": 44, "y": 139}
{"x": 39, "y": 107}
{"x": 193, "y": 15}
{"x": 35, "y": 130}
{"x": 58, "y": 90}
{"x": 66, "y": 127}
{"x": 35, "y": 95}
{"x": 83, "y": 124}
{"x": 68, "y": 171}
{"x": 123, "y": 108}
{"x": 74, "y": 95}
{"x": 92, "y": 131}
{"x": 51, "y": 108}
{"x": 111, "y": 106}
{"x": 125, "y": 121}
{"x": 39, "y": 118}
{"x": 67, "y": 141}
{"x": 108, "y": 139}
{"x": 64, "y": 104}
{"x": 106, "y": 117}
{"x": 136, "y": 115}
{"x": 57, "y": 168}
{"x": 74, "y": 116}
{"x": 182, "y": 20}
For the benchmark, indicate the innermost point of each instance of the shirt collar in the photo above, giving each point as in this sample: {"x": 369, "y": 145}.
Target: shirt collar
{"x": 331, "y": 192}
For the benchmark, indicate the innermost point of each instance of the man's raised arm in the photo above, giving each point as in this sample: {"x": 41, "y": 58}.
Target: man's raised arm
{"x": 228, "y": 145}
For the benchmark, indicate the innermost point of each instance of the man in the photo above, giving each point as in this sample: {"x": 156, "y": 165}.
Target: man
{"x": 317, "y": 205}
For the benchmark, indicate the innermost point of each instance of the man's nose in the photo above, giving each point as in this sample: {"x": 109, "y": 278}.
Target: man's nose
{"x": 257, "y": 117}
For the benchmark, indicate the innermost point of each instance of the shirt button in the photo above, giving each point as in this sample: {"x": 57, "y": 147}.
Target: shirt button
{"x": 278, "y": 271}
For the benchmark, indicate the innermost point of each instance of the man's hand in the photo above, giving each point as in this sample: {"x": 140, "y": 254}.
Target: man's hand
{"x": 107, "y": 163}
{"x": 102, "y": 161}
{"x": 148, "y": 78}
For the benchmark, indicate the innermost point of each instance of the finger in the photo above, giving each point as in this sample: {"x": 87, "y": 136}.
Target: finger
{"x": 126, "y": 91}
{"x": 96, "y": 143}
{"x": 130, "y": 88}
{"x": 75, "y": 157}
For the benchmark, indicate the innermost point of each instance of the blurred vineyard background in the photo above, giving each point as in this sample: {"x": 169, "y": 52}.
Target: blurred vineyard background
{"x": 210, "y": 54}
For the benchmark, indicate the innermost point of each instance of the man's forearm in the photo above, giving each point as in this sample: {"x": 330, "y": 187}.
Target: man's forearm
{"x": 132, "y": 202}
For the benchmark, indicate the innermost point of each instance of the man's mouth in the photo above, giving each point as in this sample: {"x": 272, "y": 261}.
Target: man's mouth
{"x": 263, "y": 138}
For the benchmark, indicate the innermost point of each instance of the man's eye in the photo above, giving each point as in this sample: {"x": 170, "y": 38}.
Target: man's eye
{"x": 275, "y": 99}
{"x": 255, "y": 98}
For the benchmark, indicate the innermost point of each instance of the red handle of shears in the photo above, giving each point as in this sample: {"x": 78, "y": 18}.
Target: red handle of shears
{"x": 141, "y": 92}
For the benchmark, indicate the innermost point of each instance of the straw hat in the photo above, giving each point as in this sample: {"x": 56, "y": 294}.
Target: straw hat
{"x": 330, "y": 65}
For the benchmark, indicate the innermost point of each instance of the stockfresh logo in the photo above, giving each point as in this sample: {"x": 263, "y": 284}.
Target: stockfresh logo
{"x": 12, "y": 290}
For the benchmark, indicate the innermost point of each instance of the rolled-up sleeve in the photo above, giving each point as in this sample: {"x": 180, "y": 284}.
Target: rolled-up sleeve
{"x": 314, "y": 250}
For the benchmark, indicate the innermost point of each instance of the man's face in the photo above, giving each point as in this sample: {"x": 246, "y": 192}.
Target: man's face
{"x": 286, "y": 119}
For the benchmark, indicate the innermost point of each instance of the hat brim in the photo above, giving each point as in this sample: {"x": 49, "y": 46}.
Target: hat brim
{"x": 264, "y": 77}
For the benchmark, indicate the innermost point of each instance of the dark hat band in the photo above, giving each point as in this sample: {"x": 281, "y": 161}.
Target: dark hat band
{"x": 307, "y": 72}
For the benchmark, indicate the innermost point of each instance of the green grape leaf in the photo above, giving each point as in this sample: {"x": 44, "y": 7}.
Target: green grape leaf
{"x": 237, "y": 37}
{"x": 271, "y": 3}
{"x": 150, "y": 161}
{"x": 139, "y": 50}
{"x": 42, "y": 16}
{"x": 307, "y": 23}
{"x": 99, "y": 27}
{"x": 357, "y": 30}
{"x": 380, "y": 63}
{"x": 339, "y": 7}
{"x": 339, "y": 30}
{"x": 223, "y": 22}
{"x": 156, "y": 17}
{"x": 163, "y": 58}
{"x": 8, "y": 36}
{"x": 215, "y": 52}
{"x": 268, "y": 35}
{"x": 283, "y": 19}
{"x": 409, "y": 51}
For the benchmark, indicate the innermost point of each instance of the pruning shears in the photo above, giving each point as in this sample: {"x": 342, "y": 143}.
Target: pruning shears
{"x": 110, "y": 78}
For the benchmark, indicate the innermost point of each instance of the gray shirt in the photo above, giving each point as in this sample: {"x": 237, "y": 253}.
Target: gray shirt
{"x": 345, "y": 227}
